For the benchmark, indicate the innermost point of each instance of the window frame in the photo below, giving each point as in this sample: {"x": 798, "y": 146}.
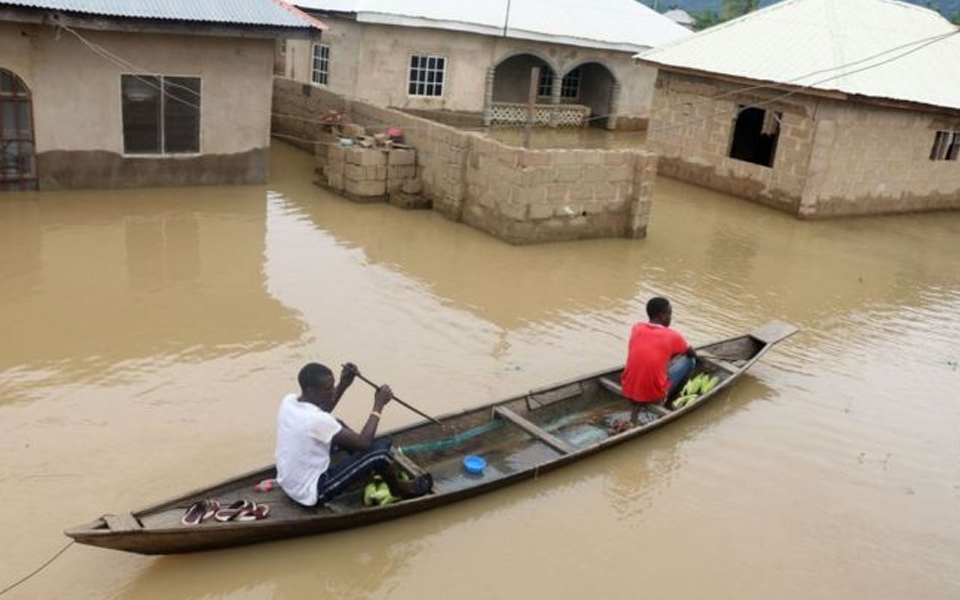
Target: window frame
{"x": 576, "y": 85}
{"x": 23, "y": 169}
{"x": 163, "y": 152}
{"x": 419, "y": 86}
{"x": 545, "y": 83}
{"x": 946, "y": 146}
{"x": 323, "y": 70}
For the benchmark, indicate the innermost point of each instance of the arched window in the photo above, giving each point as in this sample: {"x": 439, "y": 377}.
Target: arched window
{"x": 18, "y": 169}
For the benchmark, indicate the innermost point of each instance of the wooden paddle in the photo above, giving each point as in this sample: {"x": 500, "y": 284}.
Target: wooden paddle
{"x": 401, "y": 402}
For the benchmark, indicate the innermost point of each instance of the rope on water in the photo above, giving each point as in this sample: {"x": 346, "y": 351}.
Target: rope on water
{"x": 38, "y": 569}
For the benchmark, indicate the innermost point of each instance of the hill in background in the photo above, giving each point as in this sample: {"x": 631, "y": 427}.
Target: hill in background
{"x": 948, "y": 8}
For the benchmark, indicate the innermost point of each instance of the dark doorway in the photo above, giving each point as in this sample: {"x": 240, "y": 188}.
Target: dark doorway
{"x": 17, "y": 163}
{"x": 755, "y": 135}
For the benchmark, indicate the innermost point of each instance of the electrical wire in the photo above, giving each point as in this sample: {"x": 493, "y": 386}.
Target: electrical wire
{"x": 917, "y": 46}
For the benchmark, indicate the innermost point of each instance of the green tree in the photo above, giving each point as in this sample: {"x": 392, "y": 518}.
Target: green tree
{"x": 706, "y": 18}
{"x": 737, "y": 8}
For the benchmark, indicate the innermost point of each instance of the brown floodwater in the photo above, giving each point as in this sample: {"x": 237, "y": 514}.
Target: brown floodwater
{"x": 147, "y": 336}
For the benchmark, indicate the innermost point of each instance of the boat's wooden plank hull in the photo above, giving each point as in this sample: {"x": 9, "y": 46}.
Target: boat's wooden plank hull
{"x": 518, "y": 425}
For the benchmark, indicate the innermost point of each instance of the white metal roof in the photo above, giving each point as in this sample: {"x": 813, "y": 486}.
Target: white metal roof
{"x": 612, "y": 24}
{"x": 271, "y": 13}
{"x": 806, "y": 42}
{"x": 678, "y": 15}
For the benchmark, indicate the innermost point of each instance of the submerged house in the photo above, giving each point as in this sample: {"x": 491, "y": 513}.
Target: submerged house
{"x": 473, "y": 60}
{"x": 137, "y": 94}
{"x": 817, "y": 107}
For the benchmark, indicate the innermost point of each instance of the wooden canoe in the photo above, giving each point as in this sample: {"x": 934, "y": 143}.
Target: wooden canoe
{"x": 519, "y": 438}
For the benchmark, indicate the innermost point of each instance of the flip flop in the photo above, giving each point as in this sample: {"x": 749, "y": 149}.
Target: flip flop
{"x": 231, "y": 512}
{"x": 200, "y": 511}
{"x": 256, "y": 513}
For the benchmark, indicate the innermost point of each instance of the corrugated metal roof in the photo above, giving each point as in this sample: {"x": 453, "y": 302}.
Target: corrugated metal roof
{"x": 271, "y": 13}
{"x": 616, "y": 24}
{"x": 804, "y": 42}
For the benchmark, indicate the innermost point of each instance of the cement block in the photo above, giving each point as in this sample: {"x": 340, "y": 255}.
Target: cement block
{"x": 335, "y": 154}
{"x": 568, "y": 174}
{"x": 540, "y": 210}
{"x": 366, "y": 157}
{"x": 533, "y": 158}
{"x": 335, "y": 182}
{"x": 513, "y": 210}
{"x": 365, "y": 188}
{"x": 354, "y": 172}
{"x": 564, "y": 158}
{"x": 591, "y": 157}
{"x": 402, "y": 157}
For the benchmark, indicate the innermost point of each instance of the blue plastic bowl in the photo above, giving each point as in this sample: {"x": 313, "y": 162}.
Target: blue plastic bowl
{"x": 474, "y": 464}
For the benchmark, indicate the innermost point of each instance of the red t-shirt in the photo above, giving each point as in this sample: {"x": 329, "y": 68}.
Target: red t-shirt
{"x": 648, "y": 354}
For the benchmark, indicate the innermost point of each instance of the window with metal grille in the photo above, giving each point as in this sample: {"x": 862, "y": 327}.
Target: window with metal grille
{"x": 161, "y": 114}
{"x": 321, "y": 64}
{"x": 946, "y": 146}
{"x": 545, "y": 84}
{"x": 17, "y": 160}
{"x": 426, "y": 75}
{"x": 569, "y": 87}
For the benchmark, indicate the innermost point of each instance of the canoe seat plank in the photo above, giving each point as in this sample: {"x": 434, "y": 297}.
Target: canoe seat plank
{"x": 723, "y": 364}
{"x": 544, "y": 436}
{"x": 124, "y": 522}
{"x": 614, "y": 387}
{"x": 547, "y": 396}
{"x": 411, "y": 467}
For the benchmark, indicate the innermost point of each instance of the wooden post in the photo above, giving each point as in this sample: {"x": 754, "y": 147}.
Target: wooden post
{"x": 531, "y": 105}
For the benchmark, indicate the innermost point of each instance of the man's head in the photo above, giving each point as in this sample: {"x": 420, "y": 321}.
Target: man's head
{"x": 659, "y": 311}
{"x": 316, "y": 383}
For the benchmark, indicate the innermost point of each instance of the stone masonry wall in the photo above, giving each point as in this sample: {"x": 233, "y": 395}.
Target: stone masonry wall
{"x": 519, "y": 195}
{"x": 691, "y": 126}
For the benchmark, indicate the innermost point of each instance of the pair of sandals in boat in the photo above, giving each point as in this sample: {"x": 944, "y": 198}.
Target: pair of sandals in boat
{"x": 241, "y": 510}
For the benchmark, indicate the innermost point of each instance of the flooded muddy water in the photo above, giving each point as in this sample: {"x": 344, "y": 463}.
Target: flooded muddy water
{"x": 149, "y": 335}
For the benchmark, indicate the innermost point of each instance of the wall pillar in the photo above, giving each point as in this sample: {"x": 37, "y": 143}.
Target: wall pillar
{"x": 488, "y": 97}
{"x": 615, "y": 92}
{"x": 556, "y": 96}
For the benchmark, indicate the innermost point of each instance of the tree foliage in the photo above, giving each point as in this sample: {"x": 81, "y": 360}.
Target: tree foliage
{"x": 737, "y": 8}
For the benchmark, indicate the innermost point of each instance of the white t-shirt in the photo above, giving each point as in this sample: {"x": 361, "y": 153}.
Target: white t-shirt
{"x": 304, "y": 434}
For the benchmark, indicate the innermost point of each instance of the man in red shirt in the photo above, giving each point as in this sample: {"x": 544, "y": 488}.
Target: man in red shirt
{"x": 659, "y": 360}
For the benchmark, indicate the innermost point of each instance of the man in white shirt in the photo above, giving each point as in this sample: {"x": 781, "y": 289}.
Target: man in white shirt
{"x": 307, "y": 433}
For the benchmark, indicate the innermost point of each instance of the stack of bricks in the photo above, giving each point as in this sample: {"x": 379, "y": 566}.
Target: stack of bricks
{"x": 370, "y": 174}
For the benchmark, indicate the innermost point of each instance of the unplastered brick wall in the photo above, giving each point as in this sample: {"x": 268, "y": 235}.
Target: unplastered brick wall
{"x": 519, "y": 195}
{"x": 691, "y": 127}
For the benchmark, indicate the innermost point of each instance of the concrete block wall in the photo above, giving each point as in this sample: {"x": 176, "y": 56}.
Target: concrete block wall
{"x": 834, "y": 157}
{"x": 871, "y": 159}
{"x": 691, "y": 127}
{"x": 519, "y": 195}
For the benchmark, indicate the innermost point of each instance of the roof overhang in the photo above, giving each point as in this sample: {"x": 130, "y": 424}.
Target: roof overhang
{"x": 477, "y": 28}
{"x": 85, "y": 21}
{"x": 754, "y": 85}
